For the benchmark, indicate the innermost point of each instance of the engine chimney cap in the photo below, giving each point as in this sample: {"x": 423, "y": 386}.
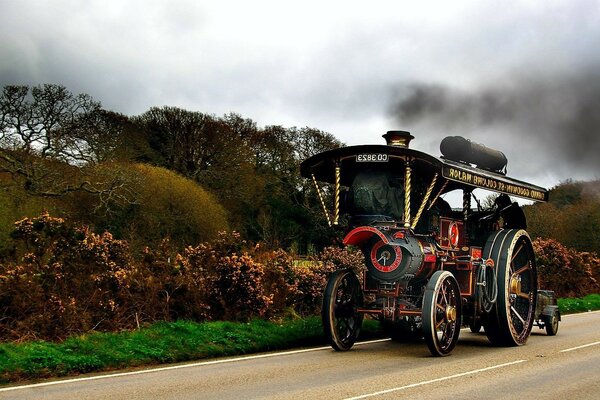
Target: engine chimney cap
{"x": 398, "y": 138}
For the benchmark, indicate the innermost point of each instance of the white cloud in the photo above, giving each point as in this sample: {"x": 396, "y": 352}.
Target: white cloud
{"x": 333, "y": 65}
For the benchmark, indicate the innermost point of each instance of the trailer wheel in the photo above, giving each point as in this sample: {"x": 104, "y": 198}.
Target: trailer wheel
{"x": 551, "y": 324}
{"x": 510, "y": 320}
{"x": 441, "y": 313}
{"x": 341, "y": 320}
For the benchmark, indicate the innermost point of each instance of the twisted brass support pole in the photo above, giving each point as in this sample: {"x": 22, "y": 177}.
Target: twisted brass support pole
{"x": 424, "y": 202}
{"x": 336, "y": 204}
{"x": 466, "y": 204}
{"x": 321, "y": 199}
{"x": 407, "y": 189}
{"x": 437, "y": 195}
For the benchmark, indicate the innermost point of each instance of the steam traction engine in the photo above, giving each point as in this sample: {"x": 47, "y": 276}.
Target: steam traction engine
{"x": 429, "y": 268}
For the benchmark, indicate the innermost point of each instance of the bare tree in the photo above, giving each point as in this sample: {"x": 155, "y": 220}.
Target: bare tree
{"x": 49, "y": 139}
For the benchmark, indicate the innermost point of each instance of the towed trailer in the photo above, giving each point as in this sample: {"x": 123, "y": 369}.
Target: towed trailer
{"x": 429, "y": 268}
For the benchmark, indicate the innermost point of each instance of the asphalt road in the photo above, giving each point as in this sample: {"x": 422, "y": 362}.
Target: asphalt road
{"x": 566, "y": 366}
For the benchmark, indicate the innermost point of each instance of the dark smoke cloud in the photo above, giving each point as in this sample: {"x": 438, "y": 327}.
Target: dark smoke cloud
{"x": 551, "y": 122}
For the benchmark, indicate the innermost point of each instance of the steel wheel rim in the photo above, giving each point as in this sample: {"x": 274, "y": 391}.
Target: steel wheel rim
{"x": 445, "y": 318}
{"x": 345, "y": 309}
{"x": 522, "y": 287}
{"x": 441, "y": 313}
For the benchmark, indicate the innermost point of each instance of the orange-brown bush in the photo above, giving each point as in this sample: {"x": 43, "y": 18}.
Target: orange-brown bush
{"x": 65, "y": 280}
{"x": 566, "y": 271}
{"x": 312, "y": 278}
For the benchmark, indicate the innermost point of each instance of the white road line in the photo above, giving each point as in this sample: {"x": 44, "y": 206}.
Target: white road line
{"x": 199, "y": 364}
{"x": 445, "y": 378}
{"x": 579, "y": 347}
{"x": 172, "y": 367}
{"x": 580, "y": 313}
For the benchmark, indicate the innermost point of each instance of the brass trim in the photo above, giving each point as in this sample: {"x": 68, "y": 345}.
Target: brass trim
{"x": 424, "y": 202}
{"x": 407, "y": 190}
{"x": 321, "y": 199}
{"x": 438, "y": 194}
{"x": 450, "y": 313}
{"x": 336, "y": 205}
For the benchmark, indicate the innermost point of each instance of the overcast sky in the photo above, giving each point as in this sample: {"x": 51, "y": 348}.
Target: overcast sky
{"x": 519, "y": 76}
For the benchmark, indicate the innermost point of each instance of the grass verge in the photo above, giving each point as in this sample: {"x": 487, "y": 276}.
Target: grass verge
{"x": 168, "y": 342}
{"x": 587, "y": 303}
{"x": 163, "y": 342}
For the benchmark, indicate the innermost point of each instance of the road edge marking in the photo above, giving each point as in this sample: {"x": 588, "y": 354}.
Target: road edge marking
{"x": 223, "y": 361}
{"x": 579, "y": 347}
{"x": 180, "y": 366}
{"x": 580, "y": 313}
{"x": 444, "y": 378}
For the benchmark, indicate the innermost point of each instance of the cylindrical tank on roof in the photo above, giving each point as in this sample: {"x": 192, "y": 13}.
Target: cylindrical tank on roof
{"x": 457, "y": 148}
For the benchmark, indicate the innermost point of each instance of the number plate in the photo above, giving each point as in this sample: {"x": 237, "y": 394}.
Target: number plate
{"x": 375, "y": 157}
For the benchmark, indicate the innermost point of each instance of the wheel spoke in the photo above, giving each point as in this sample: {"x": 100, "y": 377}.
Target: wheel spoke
{"x": 341, "y": 319}
{"x": 442, "y": 313}
{"x": 517, "y": 315}
{"x": 522, "y": 269}
{"x": 443, "y": 290}
{"x": 523, "y": 295}
{"x": 438, "y": 324}
{"x": 515, "y": 253}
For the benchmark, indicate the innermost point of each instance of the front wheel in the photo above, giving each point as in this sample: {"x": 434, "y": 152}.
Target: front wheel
{"x": 510, "y": 320}
{"x": 341, "y": 320}
{"x": 441, "y": 313}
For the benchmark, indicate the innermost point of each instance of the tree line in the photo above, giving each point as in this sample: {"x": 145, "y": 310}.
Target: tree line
{"x": 571, "y": 216}
{"x": 65, "y": 152}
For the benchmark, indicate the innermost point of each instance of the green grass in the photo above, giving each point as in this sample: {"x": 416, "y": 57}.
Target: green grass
{"x": 160, "y": 343}
{"x": 168, "y": 342}
{"x": 587, "y": 303}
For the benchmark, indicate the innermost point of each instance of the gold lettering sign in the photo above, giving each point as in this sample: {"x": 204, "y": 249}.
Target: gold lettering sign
{"x": 486, "y": 182}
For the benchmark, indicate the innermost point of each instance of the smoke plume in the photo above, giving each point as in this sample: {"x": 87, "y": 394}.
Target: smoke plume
{"x": 552, "y": 123}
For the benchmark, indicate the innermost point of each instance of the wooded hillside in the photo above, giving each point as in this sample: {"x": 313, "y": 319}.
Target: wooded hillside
{"x": 167, "y": 173}
{"x": 571, "y": 216}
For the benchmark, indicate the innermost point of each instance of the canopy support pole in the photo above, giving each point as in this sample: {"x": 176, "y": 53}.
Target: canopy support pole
{"x": 438, "y": 194}
{"x": 407, "y": 189}
{"x": 336, "y": 201}
{"x": 466, "y": 203}
{"x": 424, "y": 202}
{"x": 321, "y": 199}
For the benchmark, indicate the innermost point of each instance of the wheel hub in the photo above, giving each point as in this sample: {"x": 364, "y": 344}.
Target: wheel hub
{"x": 450, "y": 313}
{"x": 515, "y": 284}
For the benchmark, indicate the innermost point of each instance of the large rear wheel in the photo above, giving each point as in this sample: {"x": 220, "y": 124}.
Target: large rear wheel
{"x": 510, "y": 320}
{"x": 441, "y": 313}
{"x": 341, "y": 320}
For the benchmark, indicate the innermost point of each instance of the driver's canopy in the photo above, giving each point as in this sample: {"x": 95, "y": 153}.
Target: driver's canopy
{"x": 376, "y": 192}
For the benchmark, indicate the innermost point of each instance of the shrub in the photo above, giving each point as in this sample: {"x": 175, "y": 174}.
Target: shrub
{"x": 16, "y": 204}
{"x": 280, "y": 280}
{"x": 334, "y": 258}
{"x": 566, "y": 271}
{"x": 312, "y": 276}
{"x": 64, "y": 280}
{"x": 237, "y": 291}
{"x": 152, "y": 204}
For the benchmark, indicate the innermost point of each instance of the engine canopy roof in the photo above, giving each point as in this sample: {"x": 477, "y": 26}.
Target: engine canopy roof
{"x": 353, "y": 159}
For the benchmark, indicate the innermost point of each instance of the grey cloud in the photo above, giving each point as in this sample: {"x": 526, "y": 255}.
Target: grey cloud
{"x": 553, "y": 122}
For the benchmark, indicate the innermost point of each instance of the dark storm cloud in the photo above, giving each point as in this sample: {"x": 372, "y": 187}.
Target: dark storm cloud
{"x": 331, "y": 65}
{"x": 552, "y": 122}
